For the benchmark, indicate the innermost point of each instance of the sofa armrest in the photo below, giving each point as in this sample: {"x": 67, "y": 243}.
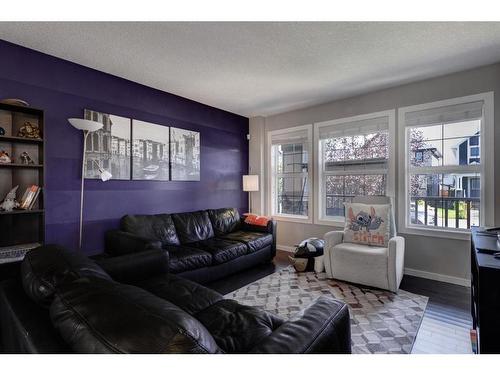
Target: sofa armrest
{"x": 396, "y": 259}
{"x": 118, "y": 242}
{"x": 323, "y": 327}
{"x": 332, "y": 239}
{"x": 133, "y": 267}
{"x": 270, "y": 228}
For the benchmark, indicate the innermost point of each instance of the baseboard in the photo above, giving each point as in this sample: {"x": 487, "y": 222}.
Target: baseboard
{"x": 437, "y": 277}
{"x": 289, "y": 249}
{"x": 410, "y": 271}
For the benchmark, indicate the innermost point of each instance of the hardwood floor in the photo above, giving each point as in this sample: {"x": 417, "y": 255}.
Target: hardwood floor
{"x": 446, "y": 324}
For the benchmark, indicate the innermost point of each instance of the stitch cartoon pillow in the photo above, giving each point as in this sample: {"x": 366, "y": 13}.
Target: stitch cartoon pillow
{"x": 367, "y": 224}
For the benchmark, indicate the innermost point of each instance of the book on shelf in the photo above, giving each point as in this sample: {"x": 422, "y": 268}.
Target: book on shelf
{"x": 29, "y": 197}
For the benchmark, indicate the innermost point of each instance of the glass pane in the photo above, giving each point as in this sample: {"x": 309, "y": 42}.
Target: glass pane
{"x": 341, "y": 189}
{"x": 424, "y": 153}
{"x": 290, "y": 158}
{"x": 445, "y": 200}
{"x": 367, "y": 147}
{"x": 458, "y": 151}
{"x": 461, "y": 129}
{"x": 426, "y": 133}
{"x": 292, "y": 196}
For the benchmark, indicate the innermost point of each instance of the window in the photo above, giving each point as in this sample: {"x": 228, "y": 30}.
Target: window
{"x": 444, "y": 170}
{"x": 353, "y": 159}
{"x": 290, "y": 173}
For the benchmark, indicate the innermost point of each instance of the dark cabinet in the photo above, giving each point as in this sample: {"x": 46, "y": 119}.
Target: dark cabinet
{"x": 485, "y": 289}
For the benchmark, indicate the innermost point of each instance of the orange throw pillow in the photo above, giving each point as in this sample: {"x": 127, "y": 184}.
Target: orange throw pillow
{"x": 260, "y": 221}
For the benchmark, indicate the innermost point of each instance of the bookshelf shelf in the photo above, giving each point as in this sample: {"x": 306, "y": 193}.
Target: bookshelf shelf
{"x": 21, "y": 229}
{"x": 17, "y": 165}
{"x": 22, "y": 212}
{"x": 9, "y": 139}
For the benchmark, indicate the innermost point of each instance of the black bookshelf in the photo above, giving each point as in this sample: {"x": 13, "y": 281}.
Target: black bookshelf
{"x": 21, "y": 230}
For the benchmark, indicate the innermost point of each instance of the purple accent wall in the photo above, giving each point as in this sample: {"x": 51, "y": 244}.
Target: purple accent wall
{"x": 63, "y": 89}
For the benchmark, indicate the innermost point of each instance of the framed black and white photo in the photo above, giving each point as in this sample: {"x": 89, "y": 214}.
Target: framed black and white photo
{"x": 109, "y": 147}
{"x": 185, "y": 154}
{"x": 150, "y": 151}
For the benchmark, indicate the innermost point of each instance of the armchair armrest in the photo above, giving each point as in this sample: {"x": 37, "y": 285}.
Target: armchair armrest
{"x": 396, "y": 258}
{"x": 331, "y": 239}
{"x": 118, "y": 242}
{"x": 133, "y": 267}
{"x": 323, "y": 327}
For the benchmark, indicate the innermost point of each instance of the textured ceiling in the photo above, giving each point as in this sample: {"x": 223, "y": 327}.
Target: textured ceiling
{"x": 265, "y": 68}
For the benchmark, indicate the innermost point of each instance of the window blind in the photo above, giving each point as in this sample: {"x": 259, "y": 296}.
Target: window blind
{"x": 353, "y": 128}
{"x": 446, "y": 114}
{"x": 299, "y": 136}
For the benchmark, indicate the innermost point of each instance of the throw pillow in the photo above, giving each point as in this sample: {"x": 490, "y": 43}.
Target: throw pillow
{"x": 367, "y": 224}
{"x": 260, "y": 221}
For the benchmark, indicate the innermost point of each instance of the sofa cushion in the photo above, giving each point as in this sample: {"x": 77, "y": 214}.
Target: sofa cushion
{"x": 237, "y": 328}
{"x": 254, "y": 240}
{"x": 159, "y": 227}
{"x": 224, "y": 220}
{"x": 47, "y": 267}
{"x": 193, "y": 226}
{"x": 222, "y": 250}
{"x": 186, "y": 294}
{"x": 101, "y": 316}
{"x": 183, "y": 258}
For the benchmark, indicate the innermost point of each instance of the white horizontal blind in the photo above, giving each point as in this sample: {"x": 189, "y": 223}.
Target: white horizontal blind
{"x": 353, "y": 128}
{"x": 446, "y": 114}
{"x": 299, "y": 136}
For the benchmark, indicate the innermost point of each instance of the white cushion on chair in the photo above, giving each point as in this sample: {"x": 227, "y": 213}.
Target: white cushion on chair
{"x": 360, "y": 264}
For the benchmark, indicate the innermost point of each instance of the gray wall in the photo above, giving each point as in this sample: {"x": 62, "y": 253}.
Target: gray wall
{"x": 429, "y": 254}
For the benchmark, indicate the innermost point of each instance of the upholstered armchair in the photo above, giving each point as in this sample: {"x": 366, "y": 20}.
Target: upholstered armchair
{"x": 378, "y": 267}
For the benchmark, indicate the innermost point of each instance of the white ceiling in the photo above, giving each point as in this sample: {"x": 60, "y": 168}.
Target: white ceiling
{"x": 265, "y": 68}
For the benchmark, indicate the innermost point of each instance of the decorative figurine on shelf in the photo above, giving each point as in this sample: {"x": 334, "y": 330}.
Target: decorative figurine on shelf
{"x": 9, "y": 203}
{"x": 28, "y": 130}
{"x": 2, "y": 131}
{"x": 26, "y": 158}
{"x": 4, "y": 157}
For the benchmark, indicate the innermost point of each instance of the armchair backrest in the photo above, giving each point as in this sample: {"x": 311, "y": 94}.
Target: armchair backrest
{"x": 379, "y": 199}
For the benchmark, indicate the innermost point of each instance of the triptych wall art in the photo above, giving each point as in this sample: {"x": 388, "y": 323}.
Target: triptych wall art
{"x": 138, "y": 150}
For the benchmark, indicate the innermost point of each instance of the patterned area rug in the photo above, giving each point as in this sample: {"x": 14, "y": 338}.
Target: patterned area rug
{"x": 381, "y": 321}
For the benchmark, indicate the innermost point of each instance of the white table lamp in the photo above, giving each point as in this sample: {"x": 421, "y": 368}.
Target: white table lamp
{"x": 250, "y": 184}
{"x": 87, "y": 126}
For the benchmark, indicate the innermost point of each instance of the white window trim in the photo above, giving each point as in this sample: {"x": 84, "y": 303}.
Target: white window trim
{"x": 391, "y": 178}
{"x": 270, "y": 202}
{"x": 486, "y": 168}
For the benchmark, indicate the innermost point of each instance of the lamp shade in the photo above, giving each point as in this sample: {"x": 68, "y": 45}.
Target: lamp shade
{"x": 251, "y": 182}
{"x": 83, "y": 124}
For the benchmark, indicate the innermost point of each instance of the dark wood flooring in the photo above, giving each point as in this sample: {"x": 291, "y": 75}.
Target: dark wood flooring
{"x": 446, "y": 324}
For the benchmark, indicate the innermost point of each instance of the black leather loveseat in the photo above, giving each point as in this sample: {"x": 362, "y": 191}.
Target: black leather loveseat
{"x": 130, "y": 304}
{"x": 202, "y": 245}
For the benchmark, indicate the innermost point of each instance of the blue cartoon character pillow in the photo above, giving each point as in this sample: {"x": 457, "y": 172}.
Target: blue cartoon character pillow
{"x": 367, "y": 224}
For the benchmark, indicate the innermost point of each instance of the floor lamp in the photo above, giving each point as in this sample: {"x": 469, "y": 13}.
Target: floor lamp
{"x": 87, "y": 126}
{"x": 250, "y": 183}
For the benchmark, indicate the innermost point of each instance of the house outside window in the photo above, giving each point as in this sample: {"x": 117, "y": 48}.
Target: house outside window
{"x": 290, "y": 167}
{"x": 353, "y": 160}
{"x": 444, "y": 169}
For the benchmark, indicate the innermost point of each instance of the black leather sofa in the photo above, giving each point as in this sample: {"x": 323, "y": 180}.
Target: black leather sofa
{"x": 202, "y": 245}
{"x": 68, "y": 303}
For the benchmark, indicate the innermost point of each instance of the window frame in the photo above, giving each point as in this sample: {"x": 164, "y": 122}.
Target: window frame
{"x": 271, "y": 181}
{"x": 486, "y": 168}
{"x": 319, "y": 180}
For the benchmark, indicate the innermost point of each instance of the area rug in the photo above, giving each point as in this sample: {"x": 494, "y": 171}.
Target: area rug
{"x": 381, "y": 321}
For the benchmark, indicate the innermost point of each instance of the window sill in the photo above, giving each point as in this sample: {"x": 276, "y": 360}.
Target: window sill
{"x": 331, "y": 223}
{"x": 439, "y": 233}
{"x": 292, "y": 219}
